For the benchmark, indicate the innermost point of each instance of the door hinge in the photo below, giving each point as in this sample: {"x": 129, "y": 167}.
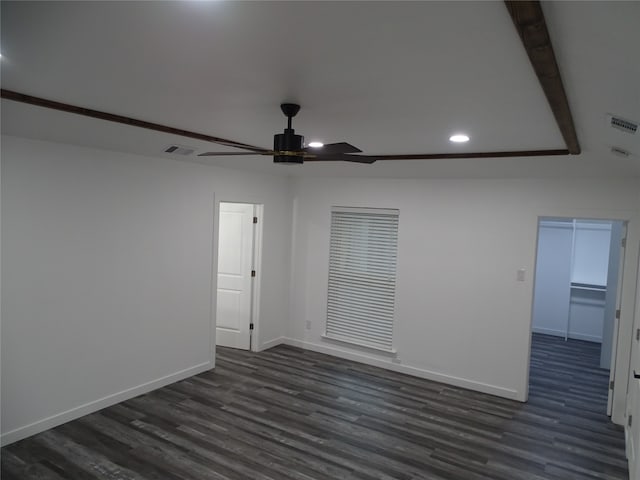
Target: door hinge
{"x": 630, "y": 422}
{"x": 611, "y": 384}
{"x": 251, "y": 326}
{"x": 253, "y": 273}
{"x": 255, "y": 219}
{"x": 638, "y": 334}
{"x": 618, "y": 314}
{"x": 624, "y": 242}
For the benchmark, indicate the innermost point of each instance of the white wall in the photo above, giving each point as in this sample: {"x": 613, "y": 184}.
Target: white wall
{"x": 552, "y": 290}
{"x": 461, "y": 316}
{"x": 104, "y": 258}
{"x": 591, "y": 253}
{"x": 107, "y": 275}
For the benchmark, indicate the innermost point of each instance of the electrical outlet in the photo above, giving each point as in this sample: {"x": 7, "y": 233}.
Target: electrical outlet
{"x": 308, "y": 324}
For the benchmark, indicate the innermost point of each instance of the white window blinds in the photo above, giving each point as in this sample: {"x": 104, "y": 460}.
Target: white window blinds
{"x": 362, "y": 276}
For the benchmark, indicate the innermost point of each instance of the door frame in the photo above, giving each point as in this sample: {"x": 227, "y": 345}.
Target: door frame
{"x": 258, "y": 211}
{"x": 628, "y": 299}
{"x": 633, "y": 395}
{"x": 616, "y": 321}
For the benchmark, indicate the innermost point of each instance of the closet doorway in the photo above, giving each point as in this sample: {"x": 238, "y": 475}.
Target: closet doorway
{"x": 576, "y": 308}
{"x": 239, "y": 254}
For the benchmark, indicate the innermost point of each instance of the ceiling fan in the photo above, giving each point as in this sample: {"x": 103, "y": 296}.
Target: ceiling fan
{"x": 289, "y": 148}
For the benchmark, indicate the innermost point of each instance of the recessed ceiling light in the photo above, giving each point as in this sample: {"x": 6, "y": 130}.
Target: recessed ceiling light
{"x": 316, "y": 144}
{"x": 459, "y": 138}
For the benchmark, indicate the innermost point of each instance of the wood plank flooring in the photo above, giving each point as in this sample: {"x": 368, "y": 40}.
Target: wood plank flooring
{"x": 287, "y": 414}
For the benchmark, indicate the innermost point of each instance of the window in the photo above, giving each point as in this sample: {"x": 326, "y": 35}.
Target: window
{"x": 362, "y": 276}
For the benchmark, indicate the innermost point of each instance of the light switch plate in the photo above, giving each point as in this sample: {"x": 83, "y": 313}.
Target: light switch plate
{"x": 520, "y": 276}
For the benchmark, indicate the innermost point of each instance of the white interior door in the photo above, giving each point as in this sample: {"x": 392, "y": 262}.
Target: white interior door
{"x": 235, "y": 255}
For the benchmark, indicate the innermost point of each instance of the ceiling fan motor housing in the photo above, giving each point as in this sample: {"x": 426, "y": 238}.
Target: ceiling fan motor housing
{"x": 288, "y": 144}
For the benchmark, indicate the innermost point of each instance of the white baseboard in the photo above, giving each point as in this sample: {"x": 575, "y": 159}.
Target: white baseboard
{"x": 77, "y": 412}
{"x": 574, "y": 335}
{"x": 416, "y": 372}
{"x": 270, "y": 344}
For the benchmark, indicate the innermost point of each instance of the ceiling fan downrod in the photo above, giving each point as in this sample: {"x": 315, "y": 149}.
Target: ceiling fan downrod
{"x": 288, "y": 142}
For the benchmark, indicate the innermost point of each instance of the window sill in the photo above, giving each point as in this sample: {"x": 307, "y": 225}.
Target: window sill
{"x": 392, "y": 351}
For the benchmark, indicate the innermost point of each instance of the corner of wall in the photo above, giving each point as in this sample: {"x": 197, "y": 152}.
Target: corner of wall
{"x": 291, "y": 239}
{"x": 58, "y": 419}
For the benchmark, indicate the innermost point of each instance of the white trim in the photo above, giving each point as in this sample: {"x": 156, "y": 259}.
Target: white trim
{"x": 270, "y": 344}
{"x": 213, "y": 284}
{"x": 414, "y": 371}
{"x": 256, "y": 284}
{"x": 628, "y": 440}
{"x": 90, "y": 407}
{"x": 213, "y": 339}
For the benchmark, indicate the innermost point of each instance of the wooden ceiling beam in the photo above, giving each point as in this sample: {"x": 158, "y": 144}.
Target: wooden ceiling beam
{"x": 529, "y": 21}
{"x": 498, "y": 154}
{"x": 87, "y": 112}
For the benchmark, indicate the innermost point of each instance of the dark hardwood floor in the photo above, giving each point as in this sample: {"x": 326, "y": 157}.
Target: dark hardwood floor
{"x": 287, "y": 413}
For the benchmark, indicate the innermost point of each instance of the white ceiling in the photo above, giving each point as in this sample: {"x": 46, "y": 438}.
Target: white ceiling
{"x": 388, "y": 77}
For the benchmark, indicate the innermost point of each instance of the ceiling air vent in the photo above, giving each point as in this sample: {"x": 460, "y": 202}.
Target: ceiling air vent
{"x": 179, "y": 150}
{"x": 621, "y": 152}
{"x": 623, "y": 125}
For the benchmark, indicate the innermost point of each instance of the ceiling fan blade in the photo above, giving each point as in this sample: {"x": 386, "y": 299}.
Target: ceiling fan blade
{"x": 228, "y": 154}
{"x": 361, "y": 159}
{"x": 331, "y": 148}
{"x": 343, "y": 157}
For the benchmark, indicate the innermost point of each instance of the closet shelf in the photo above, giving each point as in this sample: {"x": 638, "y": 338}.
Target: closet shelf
{"x": 586, "y": 286}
